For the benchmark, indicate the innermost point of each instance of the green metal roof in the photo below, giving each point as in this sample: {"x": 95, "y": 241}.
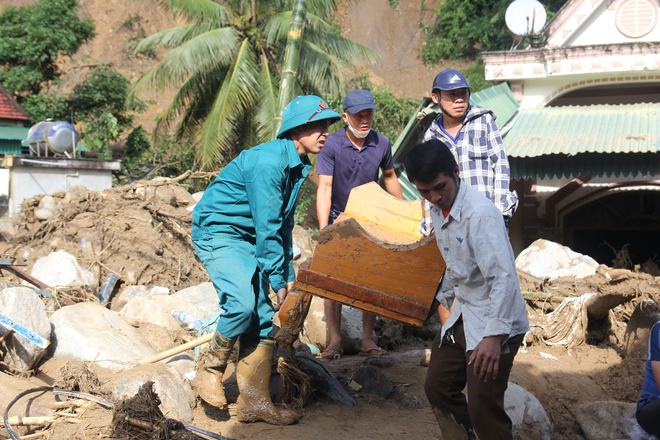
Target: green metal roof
{"x": 571, "y": 130}
{"x": 500, "y": 100}
{"x": 13, "y": 133}
{"x": 11, "y": 139}
{"x": 597, "y": 140}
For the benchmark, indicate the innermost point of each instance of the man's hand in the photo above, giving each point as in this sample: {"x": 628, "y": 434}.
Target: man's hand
{"x": 486, "y": 358}
{"x": 282, "y": 294}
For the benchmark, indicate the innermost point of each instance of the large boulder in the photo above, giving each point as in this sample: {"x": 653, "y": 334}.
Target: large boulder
{"x": 177, "y": 398}
{"x": 158, "y": 310}
{"x": 529, "y": 419}
{"x": 25, "y": 307}
{"x": 89, "y": 332}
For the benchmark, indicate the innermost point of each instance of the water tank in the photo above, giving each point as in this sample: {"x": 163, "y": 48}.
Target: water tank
{"x": 52, "y": 137}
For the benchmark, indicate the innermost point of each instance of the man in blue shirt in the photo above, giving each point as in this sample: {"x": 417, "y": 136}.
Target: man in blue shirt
{"x": 242, "y": 234}
{"x": 352, "y": 156}
{"x": 648, "y": 406}
{"x": 487, "y": 318}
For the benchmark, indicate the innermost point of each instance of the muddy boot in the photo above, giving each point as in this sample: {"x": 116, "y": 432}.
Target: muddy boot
{"x": 450, "y": 429}
{"x": 211, "y": 367}
{"x": 253, "y": 377}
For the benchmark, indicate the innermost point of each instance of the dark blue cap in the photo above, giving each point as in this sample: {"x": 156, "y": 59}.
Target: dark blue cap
{"x": 358, "y": 100}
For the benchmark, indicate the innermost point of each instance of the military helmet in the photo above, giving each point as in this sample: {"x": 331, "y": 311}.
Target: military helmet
{"x": 303, "y": 110}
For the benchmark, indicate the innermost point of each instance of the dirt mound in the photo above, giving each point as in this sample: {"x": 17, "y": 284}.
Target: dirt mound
{"x": 140, "y": 232}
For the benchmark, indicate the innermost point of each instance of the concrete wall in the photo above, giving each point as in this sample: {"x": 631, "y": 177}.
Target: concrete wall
{"x": 23, "y": 178}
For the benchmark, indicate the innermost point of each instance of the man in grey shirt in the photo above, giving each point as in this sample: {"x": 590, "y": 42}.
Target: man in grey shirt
{"x": 487, "y": 321}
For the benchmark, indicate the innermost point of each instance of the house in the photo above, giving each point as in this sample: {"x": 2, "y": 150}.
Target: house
{"x": 31, "y": 167}
{"x": 584, "y": 142}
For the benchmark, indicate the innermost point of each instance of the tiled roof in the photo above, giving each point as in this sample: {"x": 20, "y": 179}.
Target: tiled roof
{"x": 10, "y": 109}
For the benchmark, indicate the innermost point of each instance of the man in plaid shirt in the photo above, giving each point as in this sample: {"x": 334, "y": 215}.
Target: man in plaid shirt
{"x": 475, "y": 141}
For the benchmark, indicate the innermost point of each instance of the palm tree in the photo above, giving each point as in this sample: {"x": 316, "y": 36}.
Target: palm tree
{"x": 226, "y": 65}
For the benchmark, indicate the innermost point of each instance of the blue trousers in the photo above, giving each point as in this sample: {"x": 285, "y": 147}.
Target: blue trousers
{"x": 242, "y": 288}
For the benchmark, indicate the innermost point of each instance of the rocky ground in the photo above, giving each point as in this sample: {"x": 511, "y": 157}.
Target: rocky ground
{"x": 141, "y": 233}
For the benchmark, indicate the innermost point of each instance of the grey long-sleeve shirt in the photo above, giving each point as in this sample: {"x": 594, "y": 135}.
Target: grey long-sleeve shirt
{"x": 481, "y": 272}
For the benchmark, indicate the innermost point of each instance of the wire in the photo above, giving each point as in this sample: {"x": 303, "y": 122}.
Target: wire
{"x": 8, "y": 427}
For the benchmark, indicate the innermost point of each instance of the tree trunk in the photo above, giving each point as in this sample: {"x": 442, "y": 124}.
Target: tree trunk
{"x": 290, "y": 63}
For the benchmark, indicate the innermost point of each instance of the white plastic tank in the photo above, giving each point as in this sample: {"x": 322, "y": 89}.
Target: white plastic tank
{"x": 55, "y": 137}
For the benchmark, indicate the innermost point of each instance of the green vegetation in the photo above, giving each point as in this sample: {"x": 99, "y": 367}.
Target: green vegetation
{"x": 225, "y": 65}
{"x": 99, "y": 102}
{"x": 31, "y": 39}
{"x": 463, "y": 28}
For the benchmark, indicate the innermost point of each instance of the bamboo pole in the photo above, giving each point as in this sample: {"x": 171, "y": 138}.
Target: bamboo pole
{"x": 176, "y": 350}
{"x": 291, "y": 54}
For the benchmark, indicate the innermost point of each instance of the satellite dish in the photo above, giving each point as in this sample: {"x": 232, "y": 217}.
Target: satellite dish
{"x": 525, "y": 17}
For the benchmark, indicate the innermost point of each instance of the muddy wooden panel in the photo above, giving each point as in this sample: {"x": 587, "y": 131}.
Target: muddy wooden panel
{"x": 346, "y": 252}
{"x": 381, "y": 303}
{"x": 384, "y": 216}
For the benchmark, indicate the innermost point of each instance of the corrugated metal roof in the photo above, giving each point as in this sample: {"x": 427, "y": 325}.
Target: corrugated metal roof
{"x": 586, "y": 164}
{"x": 11, "y": 139}
{"x": 500, "y": 100}
{"x": 572, "y": 130}
{"x": 13, "y": 133}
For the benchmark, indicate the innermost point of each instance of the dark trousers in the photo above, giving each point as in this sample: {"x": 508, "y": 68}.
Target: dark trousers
{"x": 447, "y": 376}
{"x": 648, "y": 417}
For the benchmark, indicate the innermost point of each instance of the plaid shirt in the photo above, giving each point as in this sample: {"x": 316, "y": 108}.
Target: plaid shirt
{"x": 481, "y": 160}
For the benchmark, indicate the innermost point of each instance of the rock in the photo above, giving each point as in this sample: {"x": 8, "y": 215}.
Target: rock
{"x": 529, "y": 419}
{"x": 203, "y": 296}
{"x": 425, "y": 358}
{"x": 302, "y": 239}
{"x": 546, "y": 259}
{"x": 158, "y": 310}
{"x": 61, "y": 269}
{"x": 128, "y": 294}
{"x": 315, "y": 329}
{"x": 604, "y": 420}
{"x": 638, "y": 330}
{"x": 372, "y": 381}
{"x": 103, "y": 337}
{"x": 159, "y": 338}
{"x": 25, "y": 307}
{"x": 176, "y": 395}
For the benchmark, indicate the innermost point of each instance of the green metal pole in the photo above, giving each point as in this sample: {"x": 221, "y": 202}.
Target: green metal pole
{"x": 291, "y": 54}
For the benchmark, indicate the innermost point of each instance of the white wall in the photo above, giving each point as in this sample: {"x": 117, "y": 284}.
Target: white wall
{"x": 27, "y": 182}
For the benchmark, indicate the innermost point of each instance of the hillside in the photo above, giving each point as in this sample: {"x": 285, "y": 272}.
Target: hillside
{"x": 394, "y": 34}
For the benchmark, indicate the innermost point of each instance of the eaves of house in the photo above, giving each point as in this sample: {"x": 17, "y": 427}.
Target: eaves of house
{"x": 575, "y": 141}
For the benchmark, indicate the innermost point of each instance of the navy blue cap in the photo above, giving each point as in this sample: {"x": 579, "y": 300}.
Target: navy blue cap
{"x": 358, "y": 100}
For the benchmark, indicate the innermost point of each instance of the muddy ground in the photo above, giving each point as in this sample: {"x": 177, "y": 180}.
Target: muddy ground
{"x": 141, "y": 233}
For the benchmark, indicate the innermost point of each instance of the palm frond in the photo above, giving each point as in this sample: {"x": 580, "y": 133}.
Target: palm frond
{"x": 203, "y": 53}
{"x": 193, "y": 101}
{"x": 199, "y": 11}
{"x": 173, "y": 37}
{"x": 267, "y": 105}
{"x": 319, "y": 33}
{"x": 323, "y": 8}
{"x": 237, "y": 94}
{"x": 322, "y": 71}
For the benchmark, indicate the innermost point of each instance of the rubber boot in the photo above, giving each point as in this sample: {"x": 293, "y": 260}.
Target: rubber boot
{"x": 450, "y": 429}
{"x": 253, "y": 377}
{"x": 211, "y": 367}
